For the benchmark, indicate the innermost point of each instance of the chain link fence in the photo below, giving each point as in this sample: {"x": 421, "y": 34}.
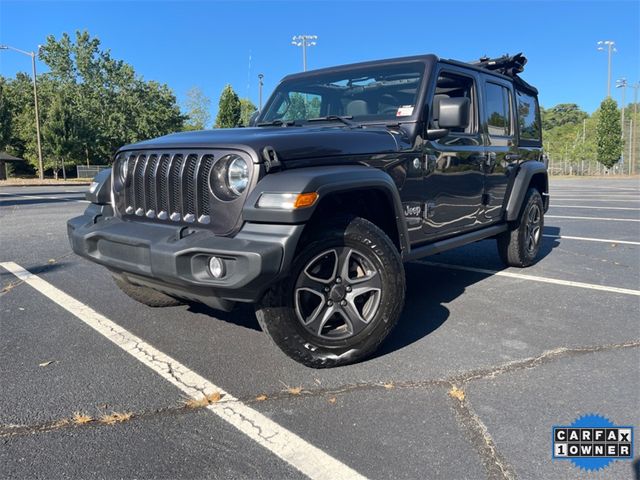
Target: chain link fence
{"x": 586, "y": 168}
{"x": 89, "y": 171}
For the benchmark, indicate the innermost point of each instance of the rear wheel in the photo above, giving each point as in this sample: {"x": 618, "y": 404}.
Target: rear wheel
{"x": 344, "y": 296}
{"x": 519, "y": 246}
{"x": 146, "y": 295}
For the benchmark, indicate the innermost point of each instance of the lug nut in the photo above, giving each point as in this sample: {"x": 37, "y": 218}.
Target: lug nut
{"x": 348, "y": 288}
{"x": 330, "y": 303}
{"x": 326, "y": 289}
{"x": 343, "y": 303}
{"x": 338, "y": 280}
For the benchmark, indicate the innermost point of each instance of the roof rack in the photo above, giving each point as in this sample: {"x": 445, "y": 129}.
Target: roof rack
{"x": 509, "y": 65}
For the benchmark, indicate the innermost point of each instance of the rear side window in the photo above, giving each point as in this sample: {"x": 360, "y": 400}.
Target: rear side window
{"x": 528, "y": 118}
{"x": 498, "y": 109}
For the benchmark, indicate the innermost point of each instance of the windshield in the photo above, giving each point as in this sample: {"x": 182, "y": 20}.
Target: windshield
{"x": 378, "y": 93}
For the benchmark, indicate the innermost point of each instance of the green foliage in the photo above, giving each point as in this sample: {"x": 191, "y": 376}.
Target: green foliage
{"x": 562, "y": 114}
{"x": 198, "y": 109}
{"x": 247, "y": 107}
{"x": 608, "y": 134}
{"x": 97, "y": 104}
{"x": 229, "y": 109}
{"x": 5, "y": 116}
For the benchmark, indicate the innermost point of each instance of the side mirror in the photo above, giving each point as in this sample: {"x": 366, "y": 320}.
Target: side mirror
{"x": 253, "y": 118}
{"x": 454, "y": 113}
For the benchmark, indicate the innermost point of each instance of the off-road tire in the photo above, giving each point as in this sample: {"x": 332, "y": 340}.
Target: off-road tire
{"x": 279, "y": 314}
{"x": 146, "y": 295}
{"x": 519, "y": 246}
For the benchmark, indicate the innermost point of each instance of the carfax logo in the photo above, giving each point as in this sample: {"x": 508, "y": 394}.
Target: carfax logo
{"x": 592, "y": 442}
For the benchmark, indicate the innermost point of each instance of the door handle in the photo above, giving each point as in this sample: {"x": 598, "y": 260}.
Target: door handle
{"x": 509, "y": 157}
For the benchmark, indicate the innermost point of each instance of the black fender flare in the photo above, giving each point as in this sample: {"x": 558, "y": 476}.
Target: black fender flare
{"x": 100, "y": 190}
{"x": 324, "y": 180}
{"x": 521, "y": 184}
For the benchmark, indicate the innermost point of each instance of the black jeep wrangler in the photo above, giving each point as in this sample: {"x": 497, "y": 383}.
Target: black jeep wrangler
{"x": 310, "y": 213}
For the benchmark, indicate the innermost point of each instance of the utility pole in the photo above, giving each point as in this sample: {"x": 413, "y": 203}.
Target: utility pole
{"x": 304, "y": 41}
{"x": 260, "y": 84}
{"x": 622, "y": 83}
{"x": 35, "y": 103}
{"x": 610, "y": 47}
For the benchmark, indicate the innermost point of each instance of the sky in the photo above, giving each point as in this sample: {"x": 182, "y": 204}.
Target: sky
{"x": 211, "y": 43}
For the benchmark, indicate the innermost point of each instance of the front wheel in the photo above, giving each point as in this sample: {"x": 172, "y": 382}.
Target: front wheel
{"x": 345, "y": 294}
{"x": 519, "y": 246}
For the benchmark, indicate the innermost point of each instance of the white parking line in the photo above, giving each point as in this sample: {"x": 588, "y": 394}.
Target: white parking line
{"x": 535, "y": 278}
{"x": 587, "y": 239}
{"x": 574, "y": 199}
{"x": 595, "y": 218}
{"x": 300, "y": 454}
{"x": 594, "y": 208}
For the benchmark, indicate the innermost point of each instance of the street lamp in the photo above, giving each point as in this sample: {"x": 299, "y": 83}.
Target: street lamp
{"x": 35, "y": 102}
{"x": 260, "y": 84}
{"x": 304, "y": 41}
{"x": 610, "y": 47}
{"x": 622, "y": 83}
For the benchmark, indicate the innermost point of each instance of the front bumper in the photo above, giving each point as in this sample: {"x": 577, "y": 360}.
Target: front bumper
{"x": 174, "y": 259}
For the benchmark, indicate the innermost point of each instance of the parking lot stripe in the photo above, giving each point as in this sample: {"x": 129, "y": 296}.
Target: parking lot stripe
{"x": 593, "y": 208}
{"x": 595, "y": 218}
{"x": 586, "y": 239}
{"x": 300, "y": 454}
{"x": 535, "y": 278}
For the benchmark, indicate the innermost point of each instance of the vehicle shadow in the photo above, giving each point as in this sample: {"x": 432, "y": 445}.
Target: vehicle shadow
{"x": 430, "y": 288}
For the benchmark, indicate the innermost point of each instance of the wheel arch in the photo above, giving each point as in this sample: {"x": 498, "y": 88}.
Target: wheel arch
{"x": 352, "y": 189}
{"x": 530, "y": 174}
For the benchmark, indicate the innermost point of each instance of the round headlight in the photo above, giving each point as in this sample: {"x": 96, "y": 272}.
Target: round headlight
{"x": 238, "y": 175}
{"x": 229, "y": 177}
{"x": 123, "y": 166}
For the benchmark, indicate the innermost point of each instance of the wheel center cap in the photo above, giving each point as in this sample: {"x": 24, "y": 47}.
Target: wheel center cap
{"x": 337, "y": 293}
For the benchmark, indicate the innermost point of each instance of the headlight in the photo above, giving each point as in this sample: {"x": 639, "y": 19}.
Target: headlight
{"x": 238, "y": 175}
{"x": 229, "y": 177}
{"x": 123, "y": 167}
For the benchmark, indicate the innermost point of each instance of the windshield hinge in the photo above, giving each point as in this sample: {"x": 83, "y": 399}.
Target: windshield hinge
{"x": 271, "y": 161}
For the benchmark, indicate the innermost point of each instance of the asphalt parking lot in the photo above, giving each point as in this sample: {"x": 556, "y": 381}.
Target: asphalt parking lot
{"x": 484, "y": 362}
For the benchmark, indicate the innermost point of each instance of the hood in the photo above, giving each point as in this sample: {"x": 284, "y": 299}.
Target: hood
{"x": 290, "y": 143}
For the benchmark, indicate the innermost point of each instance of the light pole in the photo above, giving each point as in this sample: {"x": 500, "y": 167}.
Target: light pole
{"x": 622, "y": 83}
{"x": 633, "y": 128}
{"x": 610, "y": 47}
{"x": 304, "y": 41}
{"x": 35, "y": 103}
{"x": 260, "y": 84}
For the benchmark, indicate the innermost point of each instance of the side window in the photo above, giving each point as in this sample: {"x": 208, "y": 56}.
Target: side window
{"x": 498, "y": 109}
{"x": 451, "y": 85}
{"x": 528, "y": 120}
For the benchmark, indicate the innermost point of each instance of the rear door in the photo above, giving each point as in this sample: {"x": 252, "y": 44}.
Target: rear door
{"x": 453, "y": 184}
{"x": 502, "y": 155}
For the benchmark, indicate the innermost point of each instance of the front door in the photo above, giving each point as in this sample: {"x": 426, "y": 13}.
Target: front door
{"x": 454, "y": 178}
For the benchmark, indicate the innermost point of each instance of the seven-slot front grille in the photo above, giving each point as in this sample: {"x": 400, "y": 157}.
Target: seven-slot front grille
{"x": 168, "y": 186}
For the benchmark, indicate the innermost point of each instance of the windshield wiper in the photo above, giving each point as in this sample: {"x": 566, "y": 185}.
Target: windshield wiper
{"x": 346, "y": 119}
{"x": 277, "y": 123}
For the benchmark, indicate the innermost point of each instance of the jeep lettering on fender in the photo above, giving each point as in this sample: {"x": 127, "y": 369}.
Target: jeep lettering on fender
{"x": 310, "y": 213}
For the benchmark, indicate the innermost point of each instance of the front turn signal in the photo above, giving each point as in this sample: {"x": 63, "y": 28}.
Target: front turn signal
{"x": 287, "y": 201}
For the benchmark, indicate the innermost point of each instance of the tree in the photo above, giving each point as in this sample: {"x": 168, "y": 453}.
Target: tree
{"x": 608, "y": 134}
{"x": 247, "y": 107}
{"x": 198, "y": 109}
{"x": 562, "y": 114}
{"x": 5, "y": 116}
{"x": 228, "y": 109}
{"x": 60, "y": 132}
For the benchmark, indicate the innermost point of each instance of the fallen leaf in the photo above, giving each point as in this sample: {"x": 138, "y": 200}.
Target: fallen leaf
{"x": 332, "y": 400}
{"x": 388, "y": 385}
{"x": 81, "y": 418}
{"x": 116, "y": 417}
{"x": 44, "y": 364}
{"x": 204, "y": 400}
{"x": 294, "y": 390}
{"x": 456, "y": 392}
{"x": 51, "y": 260}
{"x": 261, "y": 398}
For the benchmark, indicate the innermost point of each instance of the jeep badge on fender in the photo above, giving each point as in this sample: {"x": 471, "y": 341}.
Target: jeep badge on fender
{"x": 310, "y": 213}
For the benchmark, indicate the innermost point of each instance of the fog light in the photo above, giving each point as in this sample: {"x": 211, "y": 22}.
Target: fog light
{"x": 216, "y": 267}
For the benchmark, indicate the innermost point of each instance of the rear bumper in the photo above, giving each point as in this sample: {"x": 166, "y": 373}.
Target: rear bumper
{"x": 174, "y": 259}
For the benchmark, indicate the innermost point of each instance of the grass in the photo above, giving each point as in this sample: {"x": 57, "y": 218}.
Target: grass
{"x": 80, "y": 418}
{"x": 115, "y": 417}
{"x": 203, "y": 401}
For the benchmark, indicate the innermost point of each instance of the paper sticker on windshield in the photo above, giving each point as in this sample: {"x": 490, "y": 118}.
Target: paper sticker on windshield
{"x": 405, "y": 111}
